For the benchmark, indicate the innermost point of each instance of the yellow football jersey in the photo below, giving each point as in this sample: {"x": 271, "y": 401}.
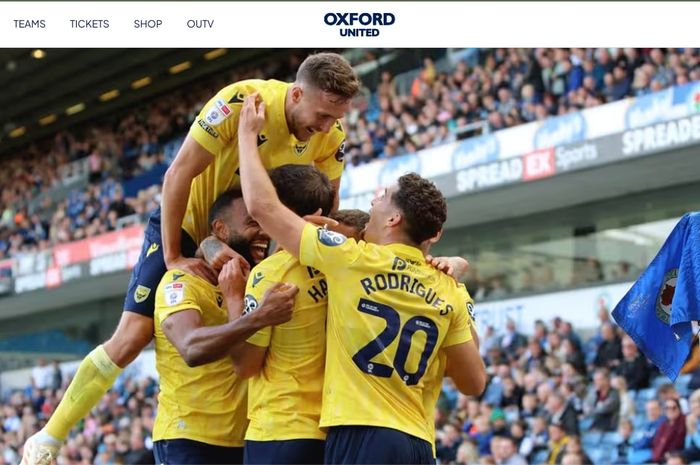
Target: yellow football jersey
{"x": 205, "y": 403}
{"x": 389, "y": 314}
{"x": 216, "y": 129}
{"x": 287, "y": 392}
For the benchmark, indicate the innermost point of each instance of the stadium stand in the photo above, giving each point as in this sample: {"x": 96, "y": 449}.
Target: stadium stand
{"x": 86, "y": 182}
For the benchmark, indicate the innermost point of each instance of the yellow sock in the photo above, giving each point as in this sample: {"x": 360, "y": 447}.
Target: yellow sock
{"x": 94, "y": 377}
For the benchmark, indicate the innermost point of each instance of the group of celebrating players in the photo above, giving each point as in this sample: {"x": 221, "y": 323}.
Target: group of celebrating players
{"x": 330, "y": 350}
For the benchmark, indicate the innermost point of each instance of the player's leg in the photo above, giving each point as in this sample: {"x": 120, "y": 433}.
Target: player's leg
{"x": 292, "y": 451}
{"x": 98, "y": 371}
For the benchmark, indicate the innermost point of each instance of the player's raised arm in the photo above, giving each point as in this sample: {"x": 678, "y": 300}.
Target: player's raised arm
{"x": 259, "y": 194}
{"x": 191, "y": 160}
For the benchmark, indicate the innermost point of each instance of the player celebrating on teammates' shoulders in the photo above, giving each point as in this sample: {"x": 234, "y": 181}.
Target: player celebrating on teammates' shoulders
{"x": 303, "y": 128}
{"x": 395, "y": 322}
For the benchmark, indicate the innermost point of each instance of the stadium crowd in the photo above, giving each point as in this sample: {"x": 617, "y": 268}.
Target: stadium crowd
{"x": 554, "y": 397}
{"x": 502, "y": 88}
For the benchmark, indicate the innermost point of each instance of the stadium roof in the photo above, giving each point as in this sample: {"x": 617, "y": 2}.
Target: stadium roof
{"x": 33, "y": 88}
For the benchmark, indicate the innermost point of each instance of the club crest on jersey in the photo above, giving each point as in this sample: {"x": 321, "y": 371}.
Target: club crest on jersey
{"x": 141, "y": 293}
{"x": 262, "y": 138}
{"x": 664, "y": 300}
{"x": 249, "y": 304}
{"x": 330, "y": 238}
{"x": 299, "y": 149}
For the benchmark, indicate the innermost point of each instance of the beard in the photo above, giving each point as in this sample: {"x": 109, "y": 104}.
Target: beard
{"x": 241, "y": 246}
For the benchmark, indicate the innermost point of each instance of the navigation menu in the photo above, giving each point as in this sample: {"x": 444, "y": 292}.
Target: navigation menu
{"x": 89, "y": 23}
{"x": 30, "y": 23}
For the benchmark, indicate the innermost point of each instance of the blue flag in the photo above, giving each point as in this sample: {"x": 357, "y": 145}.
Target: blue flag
{"x": 658, "y": 310}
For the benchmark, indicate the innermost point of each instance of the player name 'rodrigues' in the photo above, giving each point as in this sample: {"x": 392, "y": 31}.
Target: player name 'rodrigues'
{"x": 406, "y": 283}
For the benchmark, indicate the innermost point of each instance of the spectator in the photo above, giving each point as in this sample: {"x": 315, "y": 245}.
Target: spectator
{"x": 537, "y": 440}
{"x": 668, "y": 391}
{"x": 670, "y": 436}
{"x": 573, "y": 356}
{"x": 448, "y": 441}
{"x": 56, "y": 376}
{"x": 482, "y": 435}
{"x": 691, "y": 450}
{"x": 642, "y": 446}
{"x": 609, "y": 354}
{"x": 573, "y": 446}
{"x": 512, "y": 394}
{"x": 42, "y": 374}
{"x": 534, "y": 357}
{"x": 557, "y": 443}
{"x": 602, "y": 405}
{"x": 467, "y": 452}
{"x": 489, "y": 340}
{"x": 508, "y": 453}
{"x": 634, "y": 366}
{"x": 624, "y": 443}
{"x": 562, "y": 413}
{"x": 512, "y": 342}
{"x": 626, "y": 400}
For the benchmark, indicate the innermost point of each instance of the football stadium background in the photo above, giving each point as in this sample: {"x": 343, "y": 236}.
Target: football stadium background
{"x": 564, "y": 169}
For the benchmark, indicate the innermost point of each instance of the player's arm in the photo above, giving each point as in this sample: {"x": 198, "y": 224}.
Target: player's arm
{"x": 336, "y": 188}
{"x": 191, "y": 160}
{"x": 248, "y": 359}
{"x": 283, "y": 225}
{"x": 199, "y": 344}
{"x": 464, "y": 363}
{"x": 466, "y": 368}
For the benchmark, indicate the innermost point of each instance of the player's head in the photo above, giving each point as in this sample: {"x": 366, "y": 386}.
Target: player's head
{"x": 230, "y": 223}
{"x": 303, "y": 189}
{"x": 412, "y": 211}
{"x": 352, "y": 222}
{"x": 321, "y": 94}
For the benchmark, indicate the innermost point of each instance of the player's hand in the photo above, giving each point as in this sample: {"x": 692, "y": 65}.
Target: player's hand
{"x": 193, "y": 266}
{"x": 252, "y": 117}
{"x": 319, "y": 220}
{"x": 216, "y": 253}
{"x": 277, "y": 304}
{"x": 455, "y": 267}
{"x": 233, "y": 277}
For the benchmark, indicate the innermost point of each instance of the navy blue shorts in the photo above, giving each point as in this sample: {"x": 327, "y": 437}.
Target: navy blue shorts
{"x": 291, "y": 451}
{"x": 188, "y": 452}
{"x": 373, "y": 444}
{"x": 146, "y": 275}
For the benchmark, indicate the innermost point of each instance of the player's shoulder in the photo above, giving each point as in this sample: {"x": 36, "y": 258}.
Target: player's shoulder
{"x": 276, "y": 265}
{"x": 237, "y": 92}
{"x": 182, "y": 278}
{"x": 338, "y": 129}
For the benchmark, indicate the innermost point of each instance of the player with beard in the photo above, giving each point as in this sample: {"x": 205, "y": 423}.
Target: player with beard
{"x": 202, "y": 414}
